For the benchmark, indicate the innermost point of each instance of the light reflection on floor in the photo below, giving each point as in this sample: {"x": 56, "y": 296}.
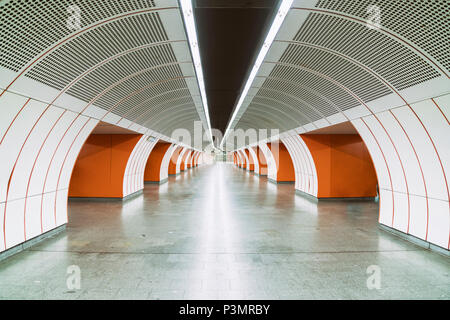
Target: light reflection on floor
{"x": 219, "y": 232}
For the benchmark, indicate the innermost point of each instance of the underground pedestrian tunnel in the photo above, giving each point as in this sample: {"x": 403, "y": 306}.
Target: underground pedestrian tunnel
{"x": 224, "y": 149}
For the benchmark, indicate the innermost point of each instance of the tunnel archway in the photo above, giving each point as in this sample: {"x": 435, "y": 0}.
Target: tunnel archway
{"x": 343, "y": 164}
{"x": 196, "y": 158}
{"x": 174, "y": 169}
{"x": 244, "y": 159}
{"x": 156, "y": 170}
{"x": 189, "y": 159}
{"x": 262, "y": 162}
{"x": 254, "y": 157}
{"x": 181, "y": 164}
{"x": 332, "y": 165}
{"x": 304, "y": 166}
{"x": 250, "y": 164}
{"x": 395, "y": 94}
{"x": 99, "y": 171}
{"x": 283, "y": 169}
{"x": 401, "y": 117}
{"x": 240, "y": 159}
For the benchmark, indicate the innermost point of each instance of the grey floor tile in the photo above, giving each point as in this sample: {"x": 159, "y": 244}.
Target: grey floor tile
{"x": 237, "y": 237}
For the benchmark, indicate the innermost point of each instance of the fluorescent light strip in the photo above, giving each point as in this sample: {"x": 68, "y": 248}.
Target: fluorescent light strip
{"x": 188, "y": 14}
{"x": 276, "y": 24}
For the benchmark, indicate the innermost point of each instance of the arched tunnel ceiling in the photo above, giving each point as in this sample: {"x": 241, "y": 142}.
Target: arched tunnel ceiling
{"x": 230, "y": 33}
{"x": 130, "y": 63}
{"x": 326, "y": 62}
{"x": 129, "y": 58}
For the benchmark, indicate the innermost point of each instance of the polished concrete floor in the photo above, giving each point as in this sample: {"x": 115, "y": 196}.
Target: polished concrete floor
{"x": 218, "y": 232}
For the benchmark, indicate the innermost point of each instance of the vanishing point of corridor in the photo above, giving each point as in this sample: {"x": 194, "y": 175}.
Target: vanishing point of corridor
{"x": 219, "y": 232}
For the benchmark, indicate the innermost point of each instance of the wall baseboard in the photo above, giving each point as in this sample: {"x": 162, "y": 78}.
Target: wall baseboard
{"x": 308, "y": 196}
{"x": 133, "y": 195}
{"x": 156, "y": 182}
{"x": 106, "y": 199}
{"x": 260, "y": 175}
{"x": 417, "y": 241}
{"x": 315, "y": 199}
{"x": 31, "y": 242}
{"x": 280, "y": 182}
{"x": 348, "y": 199}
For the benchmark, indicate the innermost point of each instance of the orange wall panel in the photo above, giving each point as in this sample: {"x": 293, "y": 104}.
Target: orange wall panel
{"x": 152, "y": 168}
{"x": 244, "y": 161}
{"x": 250, "y": 160}
{"x": 285, "y": 167}
{"x": 100, "y": 167}
{"x": 189, "y": 159}
{"x": 193, "y": 157}
{"x": 261, "y": 161}
{"x": 320, "y": 148}
{"x": 196, "y": 158}
{"x": 173, "y": 161}
{"x": 183, "y": 160}
{"x": 343, "y": 164}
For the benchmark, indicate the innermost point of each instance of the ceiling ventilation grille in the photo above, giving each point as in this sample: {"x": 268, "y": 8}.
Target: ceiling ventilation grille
{"x": 176, "y": 99}
{"x": 326, "y": 88}
{"x": 25, "y": 28}
{"x": 120, "y": 68}
{"x": 243, "y": 4}
{"x": 152, "y": 108}
{"x": 131, "y": 101}
{"x": 276, "y": 103}
{"x": 425, "y": 23}
{"x": 362, "y": 83}
{"x": 278, "y": 116}
{"x": 393, "y": 61}
{"x": 72, "y": 59}
{"x": 149, "y": 78}
{"x": 327, "y": 108}
{"x": 295, "y": 107}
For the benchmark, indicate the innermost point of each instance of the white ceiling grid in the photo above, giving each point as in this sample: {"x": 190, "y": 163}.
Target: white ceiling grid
{"x": 129, "y": 63}
{"x": 325, "y": 62}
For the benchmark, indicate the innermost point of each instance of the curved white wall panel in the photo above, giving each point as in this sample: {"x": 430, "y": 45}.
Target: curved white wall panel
{"x": 410, "y": 150}
{"x": 304, "y": 167}
{"x": 189, "y": 159}
{"x": 164, "y": 171}
{"x": 194, "y": 156}
{"x": 255, "y": 159}
{"x": 49, "y": 104}
{"x": 38, "y": 150}
{"x": 180, "y": 158}
{"x": 244, "y": 159}
{"x": 133, "y": 180}
{"x": 200, "y": 159}
{"x": 239, "y": 157}
{"x": 271, "y": 164}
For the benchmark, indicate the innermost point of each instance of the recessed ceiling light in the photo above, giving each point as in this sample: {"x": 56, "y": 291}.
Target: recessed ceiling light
{"x": 276, "y": 24}
{"x": 189, "y": 22}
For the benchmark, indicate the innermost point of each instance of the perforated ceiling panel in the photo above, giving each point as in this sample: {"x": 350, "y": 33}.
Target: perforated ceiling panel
{"x": 333, "y": 62}
{"x": 365, "y": 85}
{"x": 384, "y": 55}
{"x": 70, "y": 60}
{"x": 425, "y": 23}
{"x": 122, "y": 58}
{"x": 129, "y": 65}
{"x": 24, "y": 24}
